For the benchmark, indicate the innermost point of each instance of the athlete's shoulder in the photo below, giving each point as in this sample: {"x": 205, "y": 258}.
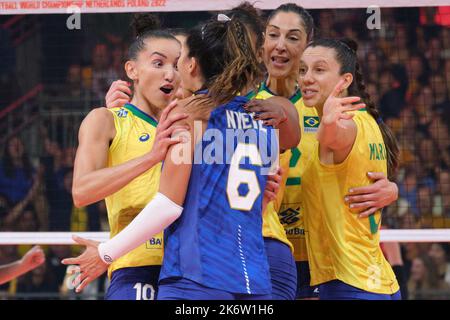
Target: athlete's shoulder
{"x": 120, "y": 112}
{"x": 99, "y": 116}
{"x": 99, "y": 122}
{"x": 300, "y": 104}
{"x": 263, "y": 94}
{"x": 115, "y": 109}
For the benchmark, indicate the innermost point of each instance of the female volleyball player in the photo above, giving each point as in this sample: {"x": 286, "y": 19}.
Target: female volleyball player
{"x": 289, "y": 29}
{"x": 215, "y": 250}
{"x": 344, "y": 251}
{"x": 120, "y": 151}
{"x": 281, "y": 263}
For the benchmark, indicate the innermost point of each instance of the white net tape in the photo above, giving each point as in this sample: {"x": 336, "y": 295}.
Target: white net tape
{"x": 65, "y": 238}
{"x": 83, "y": 6}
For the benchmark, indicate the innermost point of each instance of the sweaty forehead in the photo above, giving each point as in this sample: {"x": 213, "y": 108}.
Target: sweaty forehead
{"x": 286, "y": 21}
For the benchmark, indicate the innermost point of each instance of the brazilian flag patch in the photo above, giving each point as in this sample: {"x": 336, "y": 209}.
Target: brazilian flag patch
{"x": 310, "y": 123}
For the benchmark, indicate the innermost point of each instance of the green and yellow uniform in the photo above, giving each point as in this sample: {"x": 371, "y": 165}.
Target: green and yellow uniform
{"x": 341, "y": 246}
{"x": 135, "y": 135}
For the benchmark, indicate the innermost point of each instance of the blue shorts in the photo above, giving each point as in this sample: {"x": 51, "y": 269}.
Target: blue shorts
{"x": 338, "y": 290}
{"x": 136, "y": 283}
{"x": 304, "y": 289}
{"x": 185, "y": 289}
{"x": 283, "y": 272}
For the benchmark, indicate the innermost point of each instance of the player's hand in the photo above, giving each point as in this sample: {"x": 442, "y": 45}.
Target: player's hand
{"x": 91, "y": 266}
{"x": 32, "y": 259}
{"x": 367, "y": 200}
{"x": 271, "y": 114}
{"x": 166, "y": 128}
{"x": 336, "y": 108}
{"x": 272, "y": 187}
{"x": 118, "y": 94}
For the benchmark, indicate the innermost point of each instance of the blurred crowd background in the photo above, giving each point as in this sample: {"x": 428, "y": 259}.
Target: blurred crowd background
{"x": 51, "y": 77}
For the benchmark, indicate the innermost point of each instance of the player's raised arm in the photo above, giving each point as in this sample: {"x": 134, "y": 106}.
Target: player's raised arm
{"x": 93, "y": 180}
{"x": 337, "y": 129}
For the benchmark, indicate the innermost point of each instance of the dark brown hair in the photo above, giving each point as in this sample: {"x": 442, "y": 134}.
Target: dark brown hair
{"x": 226, "y": 57}
{"x": 305, "y": 17}
{"x": 146, "y": 26}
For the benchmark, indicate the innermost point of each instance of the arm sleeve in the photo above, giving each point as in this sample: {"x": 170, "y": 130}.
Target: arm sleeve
{"x": 154, "y": 218}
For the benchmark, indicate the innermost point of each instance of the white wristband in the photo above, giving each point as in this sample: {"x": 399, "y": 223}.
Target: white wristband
{"x": 157, "y": 215}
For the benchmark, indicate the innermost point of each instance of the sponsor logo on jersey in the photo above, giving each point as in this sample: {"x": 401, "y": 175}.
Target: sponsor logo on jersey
{"x": 144, "y": 137}
{"x": 154, "y": 243}
{"x": 122, "y": 113}
{"x": 289, "y": 216}
{"x": 310, "y": 123}
{"x": 295, "y": 232}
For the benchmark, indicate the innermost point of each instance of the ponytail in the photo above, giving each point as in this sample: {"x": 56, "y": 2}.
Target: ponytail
{"x": 241, "y": 68}
{"x": 392, "y": 150}
{"x": 145, "y": 26}
{"x": 227, "y": 60}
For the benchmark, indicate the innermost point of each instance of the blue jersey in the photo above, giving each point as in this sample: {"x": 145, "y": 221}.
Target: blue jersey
{"x": 217, "y": 242}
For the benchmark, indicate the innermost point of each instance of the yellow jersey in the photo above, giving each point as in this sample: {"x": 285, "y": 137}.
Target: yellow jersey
{"x": 135, "y": 134}
{"x": 272, "y": 227}
{"x": 341, "y": 245}
{"x": 290, "y": 214}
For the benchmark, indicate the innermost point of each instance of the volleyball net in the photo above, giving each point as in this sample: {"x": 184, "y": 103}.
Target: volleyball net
{"x": 65, "y": 238}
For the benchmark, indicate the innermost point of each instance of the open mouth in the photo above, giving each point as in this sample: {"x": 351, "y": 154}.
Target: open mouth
{"x": 166, "y": 89}
{"x": 308, "y": 93}
{"x": 277, "y": 60}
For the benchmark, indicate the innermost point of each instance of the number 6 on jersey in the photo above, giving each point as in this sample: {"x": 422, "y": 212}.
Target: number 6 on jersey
{"x": 238, "y": 176}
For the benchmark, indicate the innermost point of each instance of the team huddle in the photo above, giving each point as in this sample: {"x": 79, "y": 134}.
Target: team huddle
{"x": 237, "y": 166}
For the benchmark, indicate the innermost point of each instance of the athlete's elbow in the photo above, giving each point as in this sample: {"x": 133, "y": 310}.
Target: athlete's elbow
{"x": 172, "y": 215}
{"x": 79, "y": 199}
{"x": 78, "y": 202}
